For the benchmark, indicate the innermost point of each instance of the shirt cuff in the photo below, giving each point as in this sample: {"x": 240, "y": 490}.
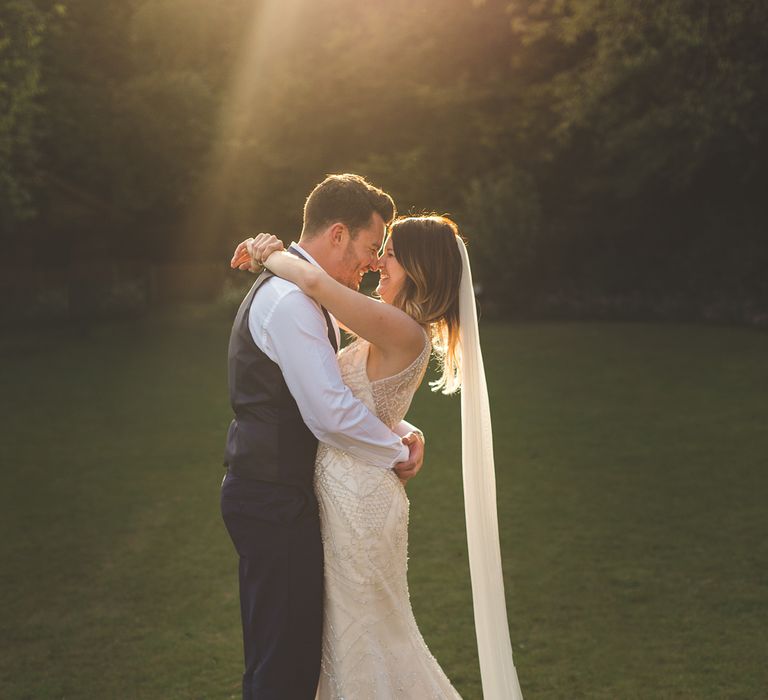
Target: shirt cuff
{"x": 404, "y": 427}
{"x": 402, "y": 457}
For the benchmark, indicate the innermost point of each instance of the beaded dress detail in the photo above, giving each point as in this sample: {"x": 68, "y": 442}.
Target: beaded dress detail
{"x": 372, "y": 647}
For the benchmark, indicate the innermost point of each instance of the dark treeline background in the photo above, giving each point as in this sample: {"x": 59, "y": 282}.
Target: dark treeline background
{"x": 603, "y": 157}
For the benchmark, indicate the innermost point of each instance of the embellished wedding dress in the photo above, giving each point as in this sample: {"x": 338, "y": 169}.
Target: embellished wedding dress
{"x": 372, "y": 647}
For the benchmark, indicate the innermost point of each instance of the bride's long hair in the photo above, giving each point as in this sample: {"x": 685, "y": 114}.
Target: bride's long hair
{"x": 426, "y": 247}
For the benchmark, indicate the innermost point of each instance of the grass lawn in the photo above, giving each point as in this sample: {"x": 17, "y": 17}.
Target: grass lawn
{"x": 632, "y": 467}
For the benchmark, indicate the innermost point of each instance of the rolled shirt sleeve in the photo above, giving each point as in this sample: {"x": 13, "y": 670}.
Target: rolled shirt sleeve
{"x": 292, "y": 332}
{"x": 404, "y": 427}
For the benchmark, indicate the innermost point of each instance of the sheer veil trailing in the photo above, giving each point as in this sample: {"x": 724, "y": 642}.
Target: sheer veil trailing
{"x": 499, "y": 676}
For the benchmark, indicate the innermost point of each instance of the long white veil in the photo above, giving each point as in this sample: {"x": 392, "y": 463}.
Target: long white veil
{"x": 497, "y": 670}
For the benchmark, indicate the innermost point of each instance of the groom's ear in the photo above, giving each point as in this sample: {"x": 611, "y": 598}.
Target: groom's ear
{"x": 337, "y": 233}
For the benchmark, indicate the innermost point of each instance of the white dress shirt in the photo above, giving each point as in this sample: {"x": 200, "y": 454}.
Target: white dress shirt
{"x": 290, "y": 328}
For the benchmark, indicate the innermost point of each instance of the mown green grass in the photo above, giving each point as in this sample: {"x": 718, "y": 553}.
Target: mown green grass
{"x": 632, "y": 485}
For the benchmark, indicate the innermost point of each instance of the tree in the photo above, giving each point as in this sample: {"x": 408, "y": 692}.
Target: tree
{"x": 504, "y": 212}
{"x": 655, "y": 90}
{"x": 23, "y": 27}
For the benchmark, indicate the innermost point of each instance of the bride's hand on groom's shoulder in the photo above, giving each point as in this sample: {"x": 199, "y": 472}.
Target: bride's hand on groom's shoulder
{"x": 251, "y": 253}
{"x": 263, "y": 246}
{"x": 241, "y": 258}
{"x": 407, "y": 470}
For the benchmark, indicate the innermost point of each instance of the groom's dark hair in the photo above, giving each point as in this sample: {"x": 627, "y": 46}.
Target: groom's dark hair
{"x": 348, "y": 199}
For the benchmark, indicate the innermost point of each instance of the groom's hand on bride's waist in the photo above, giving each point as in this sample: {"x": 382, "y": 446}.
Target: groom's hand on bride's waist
{"x": 407, "y": 470}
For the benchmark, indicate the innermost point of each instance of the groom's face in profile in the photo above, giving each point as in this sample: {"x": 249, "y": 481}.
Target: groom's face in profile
{"x": 361, "y": 253}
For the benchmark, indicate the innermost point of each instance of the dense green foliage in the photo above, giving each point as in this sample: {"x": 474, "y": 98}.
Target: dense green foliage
{"x": 631, "y": 482}
{"x": 591, "y": 148}
{"x": 23, "y": 25}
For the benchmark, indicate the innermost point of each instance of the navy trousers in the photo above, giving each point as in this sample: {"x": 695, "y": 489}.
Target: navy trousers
{"x": 276, "y": 531}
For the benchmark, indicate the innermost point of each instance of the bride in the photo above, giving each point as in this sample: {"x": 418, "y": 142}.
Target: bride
{"x": 372, "y": 647}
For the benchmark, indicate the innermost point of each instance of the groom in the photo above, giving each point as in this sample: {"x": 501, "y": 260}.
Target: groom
{"x": 287, "y": 393}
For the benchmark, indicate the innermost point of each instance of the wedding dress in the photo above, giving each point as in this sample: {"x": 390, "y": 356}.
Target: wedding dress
{"x": 372, "y": 647}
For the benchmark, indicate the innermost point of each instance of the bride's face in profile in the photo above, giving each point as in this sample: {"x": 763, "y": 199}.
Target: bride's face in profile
{"x": 391, "y": 274}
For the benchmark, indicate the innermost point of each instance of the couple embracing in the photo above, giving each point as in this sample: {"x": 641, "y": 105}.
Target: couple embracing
{"x": 319, "y": 452}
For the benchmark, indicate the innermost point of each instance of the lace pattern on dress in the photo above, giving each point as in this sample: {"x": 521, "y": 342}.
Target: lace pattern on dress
{"x": 392, "y": 395}
{"x": 372, "y": 646}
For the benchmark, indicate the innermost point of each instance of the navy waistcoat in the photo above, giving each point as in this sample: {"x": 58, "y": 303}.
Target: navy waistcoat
{"x": 267, "y": 439}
